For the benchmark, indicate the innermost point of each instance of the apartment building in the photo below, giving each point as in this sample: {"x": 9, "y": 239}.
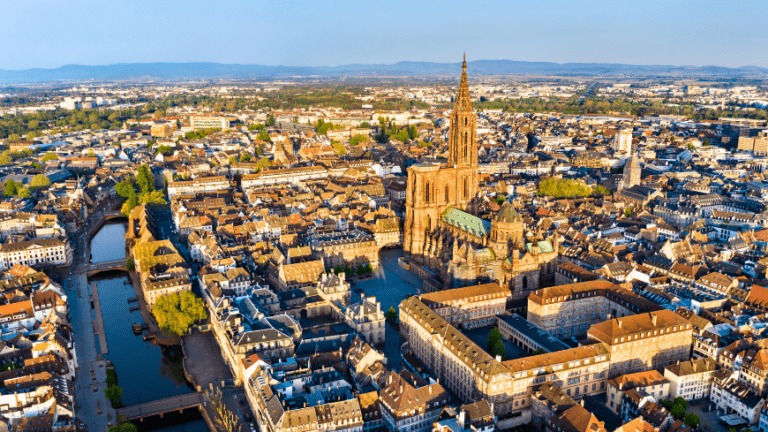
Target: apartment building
{"x": 735, "y": 397}
{"x": 341, "y": 248}
{"x": 407, "y": 408}
{"x": 198, "y": 185}
{"x": 754, "y": 370}
{"x": 691, "y": 379}
{"x": 644, "y": 341}
{"x": 209, "y": 122}
{"x": 35, "y": 253}
{"x": 269, "y": 177}
{"x": 367, "y": 319}
{"x": 469, "y": 307}
{"x": 469, "y": 372}
{"x": 648, "y": 383}
{"x": 569, "y": 310}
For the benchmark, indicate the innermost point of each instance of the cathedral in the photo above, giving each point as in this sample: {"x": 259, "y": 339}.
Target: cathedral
{"x": 445, "y": 239}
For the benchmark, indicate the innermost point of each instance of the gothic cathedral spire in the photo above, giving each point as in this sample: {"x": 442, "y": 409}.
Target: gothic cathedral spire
{"x": 462, "y": 149}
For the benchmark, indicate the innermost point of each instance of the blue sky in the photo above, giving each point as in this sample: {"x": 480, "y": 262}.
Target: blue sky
{"x": 52, "y": 33}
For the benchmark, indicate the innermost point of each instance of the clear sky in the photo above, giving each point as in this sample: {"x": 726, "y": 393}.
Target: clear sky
{"x": 52, "y": 33}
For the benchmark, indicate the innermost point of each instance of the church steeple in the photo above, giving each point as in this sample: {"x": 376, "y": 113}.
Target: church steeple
{"x": 463, "y": 102}
{"x": 462, "y": 148}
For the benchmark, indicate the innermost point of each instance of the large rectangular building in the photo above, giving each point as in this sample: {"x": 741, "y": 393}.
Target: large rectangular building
{"x": 645, "y": 341}
{"x": 569, "y": 310}
{"x": 468, "y": 307}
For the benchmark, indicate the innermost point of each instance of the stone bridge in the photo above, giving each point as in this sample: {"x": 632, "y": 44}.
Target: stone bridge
{"x": 99, "y": 219}
{"x": 97, "y": 267}
{"x": 161, "y": 406}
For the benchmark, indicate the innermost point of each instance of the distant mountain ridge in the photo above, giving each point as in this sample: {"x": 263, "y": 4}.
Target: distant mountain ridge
{"x": 181, "y": 71}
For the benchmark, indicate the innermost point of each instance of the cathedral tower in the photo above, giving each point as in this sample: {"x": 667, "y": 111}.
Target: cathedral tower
{"x": 432, "y": 188}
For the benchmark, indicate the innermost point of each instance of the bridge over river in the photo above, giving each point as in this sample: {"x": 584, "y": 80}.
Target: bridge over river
{"x": 161, "y": 406}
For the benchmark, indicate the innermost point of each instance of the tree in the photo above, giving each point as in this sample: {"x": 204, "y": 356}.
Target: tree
{"x": 564, "y": 188}
{"x": 165, "y": 150}
{"x": 628, "y": 212}
{"x": 600, "y": 190}
{"x": 391, "y": 314}
{"x": 11, "y": 187}
{"x": 175, "y": 312}
{"x": 130, "y": 203}
{"x": 129, "y": 264}
{"x": 124, "y": 427}
{"x": 678, "y": 411}
{"x": 680, "y": 401}
{"x": 705, "y": 143}
{"x": 114, "y": 394}
{"x": 25, "y": 193}
{"x": 50, "y": 156}
{"x": 498, "y": 349}
{"x": 124, "y": 188}
{"x": 270, "y": 120}
{"x": 263, "y": 136}
{"x": 40, "y": 182}
{"x": 667, "y": 403}
{"x": 368, "y": 268}
{"x": 224, "y": 418}
{"x": 500, "y": 199}
{"x": 539, "y": 352}
{"x": 246, "y": 157}
{"x": 493, "y": 337}
{"x": 692, "y": 420}
{"x": 232, "y": 160}
{"x": 357, "y": 139}
{"x": 5, "y": 158}
{"x": 144, "y": 179}
{"x": 337, "y": 270}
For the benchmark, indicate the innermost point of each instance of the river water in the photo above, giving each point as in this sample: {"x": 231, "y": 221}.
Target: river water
{"x": 145, "y": 371}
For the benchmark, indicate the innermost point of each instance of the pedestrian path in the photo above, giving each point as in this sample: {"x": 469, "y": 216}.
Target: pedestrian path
{"x": 98, "y": 324}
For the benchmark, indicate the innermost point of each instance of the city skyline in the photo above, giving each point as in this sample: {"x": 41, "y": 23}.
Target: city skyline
{"x": 297, "y": 33}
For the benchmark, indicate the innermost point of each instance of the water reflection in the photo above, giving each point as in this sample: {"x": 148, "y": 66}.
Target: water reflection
{"x": 109, "y": 243}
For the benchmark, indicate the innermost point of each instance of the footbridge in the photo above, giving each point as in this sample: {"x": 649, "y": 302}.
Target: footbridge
{"x": 102, "y": 266}
{"x": 161, "y": 406}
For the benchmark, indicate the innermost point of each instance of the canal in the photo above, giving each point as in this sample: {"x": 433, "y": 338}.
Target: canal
{"x": 145, "y": 371}
{"x": 390, "y": 285}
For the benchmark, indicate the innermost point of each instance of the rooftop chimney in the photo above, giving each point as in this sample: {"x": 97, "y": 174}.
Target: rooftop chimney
{"x": 653, "y": 318}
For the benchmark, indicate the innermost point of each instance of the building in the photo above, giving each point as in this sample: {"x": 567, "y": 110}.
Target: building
{"x": 161, "y": 268}
{"x": 433, "y": 188}
{"x": 341, "y": 248}
{"x": 623, "y": 141}
{"x": 35, "y": 253}
{"x": 632, "y": 172}
{"x": 691, "y": 379}
{"x": 569, "y": 310}
{"x": 527, "y": 335}
{"x": 648, "y": 383}
{"x": 735, "y": 397}
{"x": 469, "y": 307}
{"x": 407, "y": 408}
{"x": 644, "y": 341}
{"x": 209, "y": 122}
{"x": 198, "y": 185}
{"x": 367, "y": 319}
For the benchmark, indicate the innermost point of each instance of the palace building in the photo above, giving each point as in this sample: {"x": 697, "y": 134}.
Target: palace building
{"x": 444, "y": 237}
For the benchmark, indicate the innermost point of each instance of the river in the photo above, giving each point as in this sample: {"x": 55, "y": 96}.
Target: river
{"x": 145, "y": 371}
{"x": 390, "y": 285}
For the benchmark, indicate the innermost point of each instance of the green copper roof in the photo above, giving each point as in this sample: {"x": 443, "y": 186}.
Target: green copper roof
{"x": 466, "y": 222}
{"x": 544, "y": 246}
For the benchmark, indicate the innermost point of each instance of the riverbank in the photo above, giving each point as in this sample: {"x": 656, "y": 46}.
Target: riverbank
{"x": 160, "y": 337}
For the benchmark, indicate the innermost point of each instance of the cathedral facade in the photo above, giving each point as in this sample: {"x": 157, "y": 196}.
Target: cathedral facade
{"x": 447, "y": 242}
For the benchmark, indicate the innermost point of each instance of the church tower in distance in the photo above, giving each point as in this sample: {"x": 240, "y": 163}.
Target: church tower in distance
{"x": 432, "y": 187}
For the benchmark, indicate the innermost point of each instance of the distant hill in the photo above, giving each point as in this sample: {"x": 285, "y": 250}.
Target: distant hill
{"x": 182, "y": 71}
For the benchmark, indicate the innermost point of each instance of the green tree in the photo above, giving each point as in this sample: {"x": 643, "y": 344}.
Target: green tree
{"x": 124, "y": 188}
{"x": 246, "y": 157}
{"x": 114, "y": 393}
{"x": 124, "y": 427}
{"x": 175, "y": 312}
{"x": 5, "y": 158}
{"x": 600, "y": 190}
{"x": 680, "y": 401}
{"x": 144, "y": 179}
{"x": 25, "y": 193}
{"x": 705, "y": 143}
{"x": 368, "y": 268}
{"x": 11, "y": 187}
{"x": 165, "y": 150}
{"x": 337, "y": 270}
{"x": 391, "y": 314}
{"x": 678, "y": 411}
{"x": 154, "y": 198}
{"x": 692, "y": 420}
{"x": 130, "y": 203}
{"x": 493, "y": 336}
{"x": 628, "y": 212}
{"x": 129, "y": 264}
{"x": 357, "y": 139}
{"x": 50, "y": 156}
{"x": 232, "y": 160}
{"x": 263, "y": 136}
{"x": 564, "y": 188}
{"x": 270, "y": 120}
{"x": 498, "y": 349}
{"x": 40, "y": 182}
{"x": 539, "y": 352}
{"x": 667, "y": 403}
{"x": 359, "y": 270}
